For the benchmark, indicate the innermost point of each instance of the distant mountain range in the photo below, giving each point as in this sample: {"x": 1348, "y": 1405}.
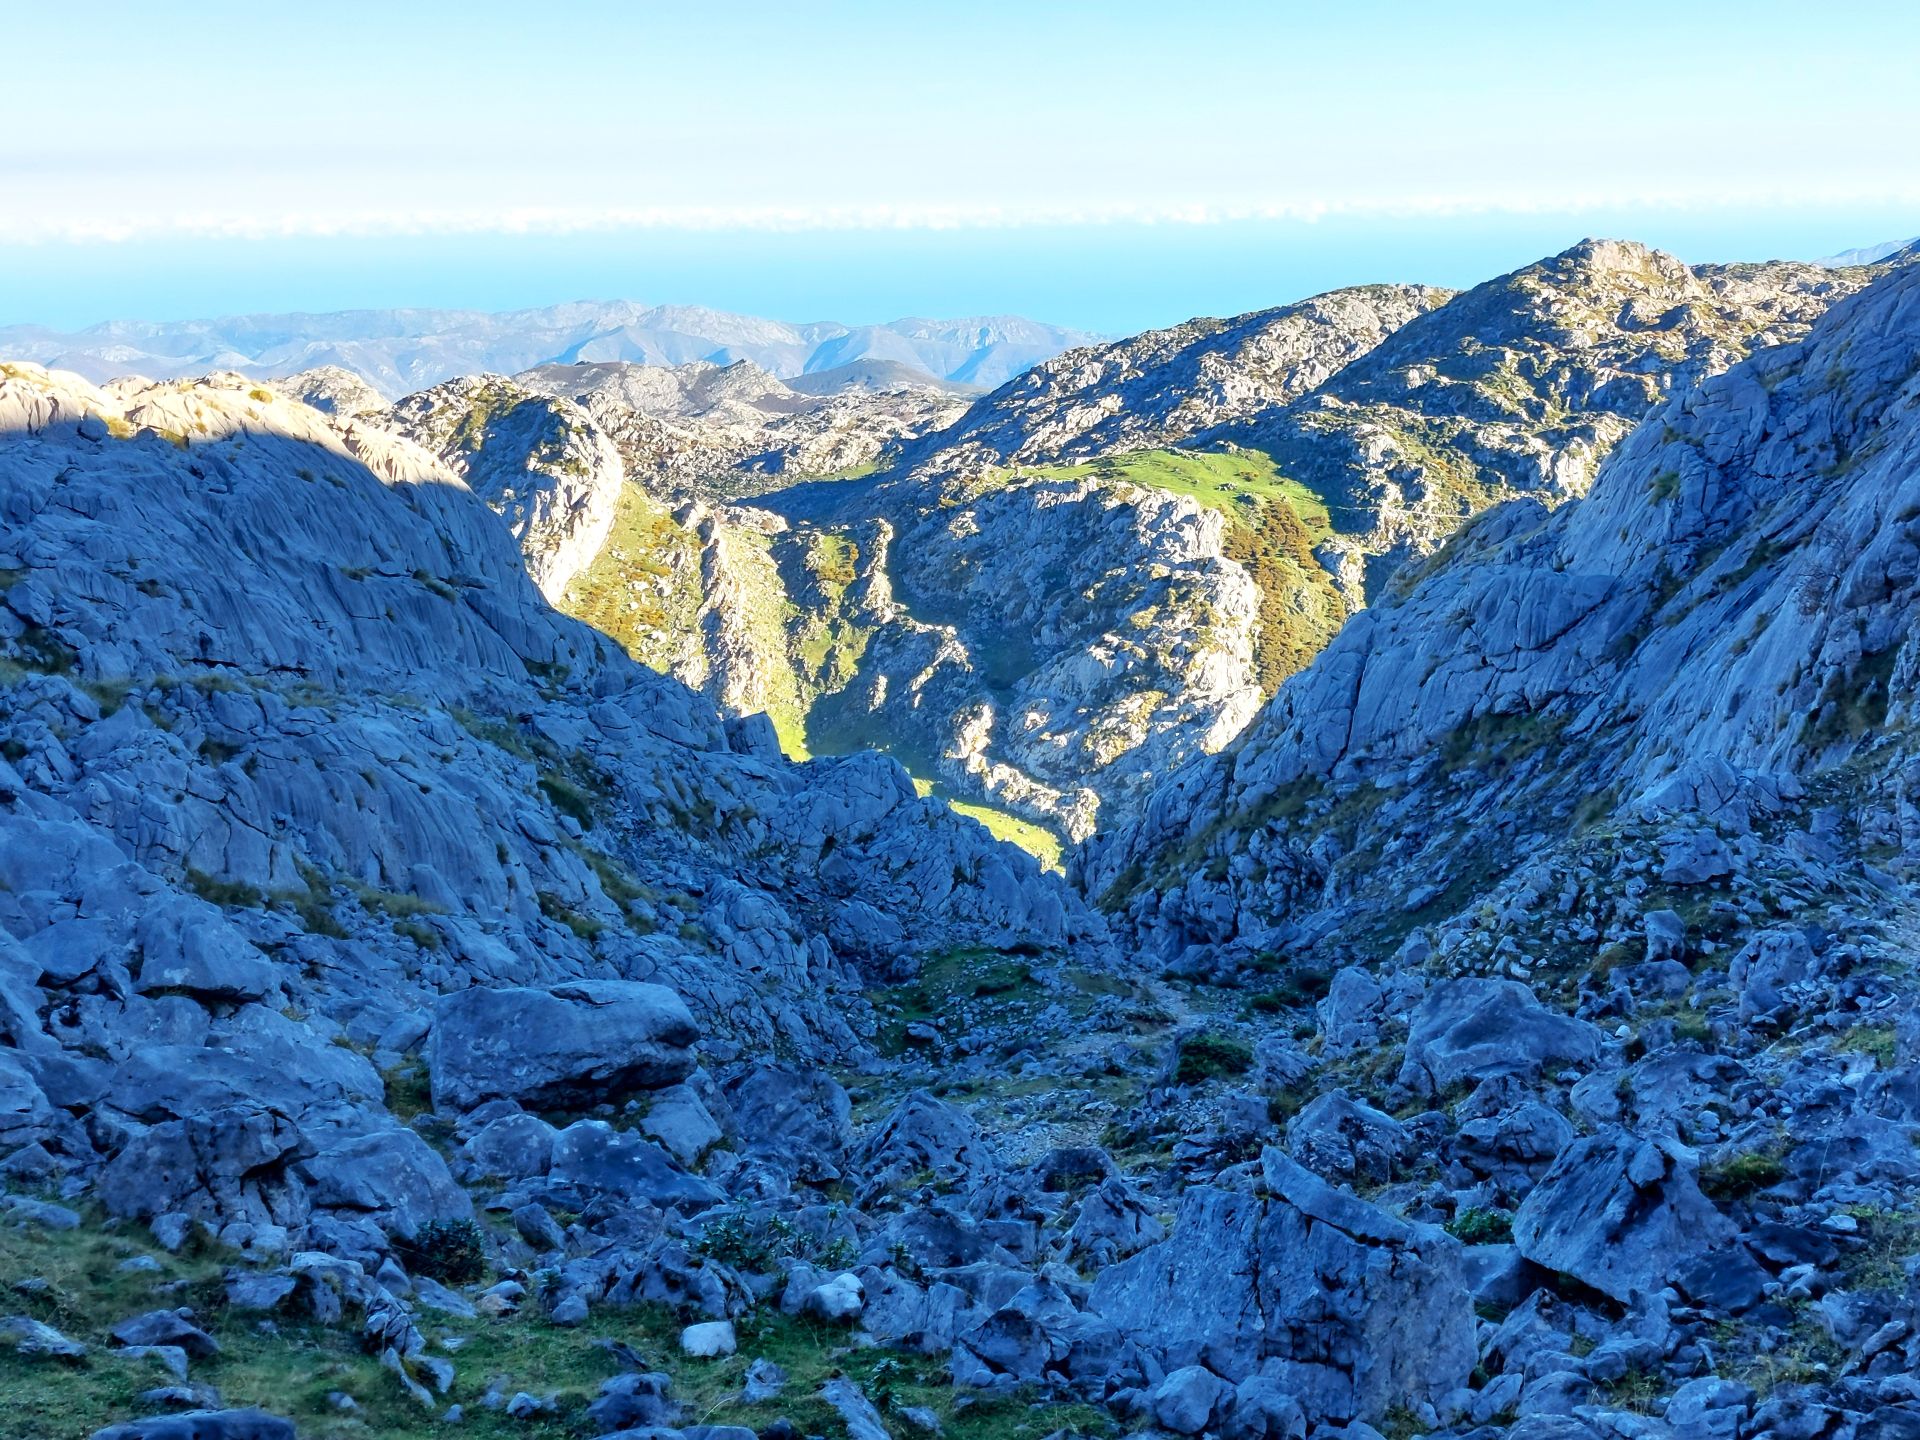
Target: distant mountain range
{"x": 399, "y": 351}
{"x": 1870, "y": 254}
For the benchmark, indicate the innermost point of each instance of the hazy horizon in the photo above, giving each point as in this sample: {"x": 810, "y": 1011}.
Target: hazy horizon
{"x": 1079, "y": 279}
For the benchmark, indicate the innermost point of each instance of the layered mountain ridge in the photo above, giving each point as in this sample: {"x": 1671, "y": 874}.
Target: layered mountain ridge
{"x": 1216, "y": 499}
{"x": 398, "y": 351}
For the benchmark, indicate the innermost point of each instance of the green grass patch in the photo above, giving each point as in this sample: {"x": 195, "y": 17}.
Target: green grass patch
{"x": 585, "y": 927}
{"x": 1210, "y": 1056}
{"x": 568, "y": 798}
{"x": 394, "y": 904}
{"x": 1036, "y": 840}
{"x": 292, "y": 1366}
{"x": 1477, "y": 1226}
{"x": 236, "y": 893}
{"x": 643, "y": 588}
{"x": 1234, "y": 482}
{"x": 1742, "y": 1175}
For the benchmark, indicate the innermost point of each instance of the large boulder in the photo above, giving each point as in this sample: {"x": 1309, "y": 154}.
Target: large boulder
{"x": 1619, "y": 1214}
{"x": 566, "y": 1047}
{"x": 1470, "y": 1030}
{"x": 594, "y": 1158}
{"x": 188, "y": 948}
{"x": 925, "y": 1135}
{"x": 792, "y": 1116}
{"x": 1346, "y": 1139}
{"x": 1035, "y": 1335}
{"x": 386, "y": 1173}
{"x": 1343, "y": 1306}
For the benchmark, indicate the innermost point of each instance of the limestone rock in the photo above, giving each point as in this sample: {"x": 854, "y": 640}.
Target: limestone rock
{"x": 1619, "y": 1214}
{"x": 573, "y": 1044}
{"x": 1347, "y": 1308}
{"x": 203, "y": 1425}
{"x": 1466, "y": 1031}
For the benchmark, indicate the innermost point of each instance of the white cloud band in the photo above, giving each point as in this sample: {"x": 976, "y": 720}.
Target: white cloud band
{"x": 23, "y": 226}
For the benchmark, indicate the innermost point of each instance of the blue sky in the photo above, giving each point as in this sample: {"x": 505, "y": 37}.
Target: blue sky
{"x": 1109, "y": 166}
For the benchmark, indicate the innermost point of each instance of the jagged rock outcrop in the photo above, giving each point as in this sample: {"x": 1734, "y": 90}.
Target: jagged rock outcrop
{"x": 709, "y": 431}
{"x": 1521, "y": 386}
{"x": 1558, "y": 654}
{"x": 1173, "y": 386}
{"x": 1619, "y": 1214}
{"x": 539, "y": 462}
{"x": 333, "y": 391}
{"x": 548, "y": 1049}
{"x": 1612, "y": 796}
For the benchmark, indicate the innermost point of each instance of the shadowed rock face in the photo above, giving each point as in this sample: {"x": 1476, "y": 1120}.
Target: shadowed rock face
{"x": 298, "y": 747}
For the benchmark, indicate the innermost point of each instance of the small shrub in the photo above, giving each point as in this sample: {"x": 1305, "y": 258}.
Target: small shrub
{"x": 435, "y": 584}
{"x": 314, "y": 905}
{"x": 223, "y": 892}
{"x": 1877, "y": 1041}
{"x": 568, "y": 798}
{"x": 449, "y": 1250}
{"x": 1742, "y": 1175}
{"x": 393, "y": 904}
{"x": 1476, "y": 1226}
{"x": 1283, "y": 1105}
{"x": 1208, "y": 1056}
{"x": 737, "y": 1241}
{"x": 1692, "y": 1025}
{"x": 1302, "y": 985}
{"x": 419, "y": 932}
{"x": 585, "y": 927}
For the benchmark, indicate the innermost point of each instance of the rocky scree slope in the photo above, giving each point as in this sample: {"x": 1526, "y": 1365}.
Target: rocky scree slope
{"x": 298, "y": 764}
{"x": 1594, "y": 840}
{"x": 385, "y": 958}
